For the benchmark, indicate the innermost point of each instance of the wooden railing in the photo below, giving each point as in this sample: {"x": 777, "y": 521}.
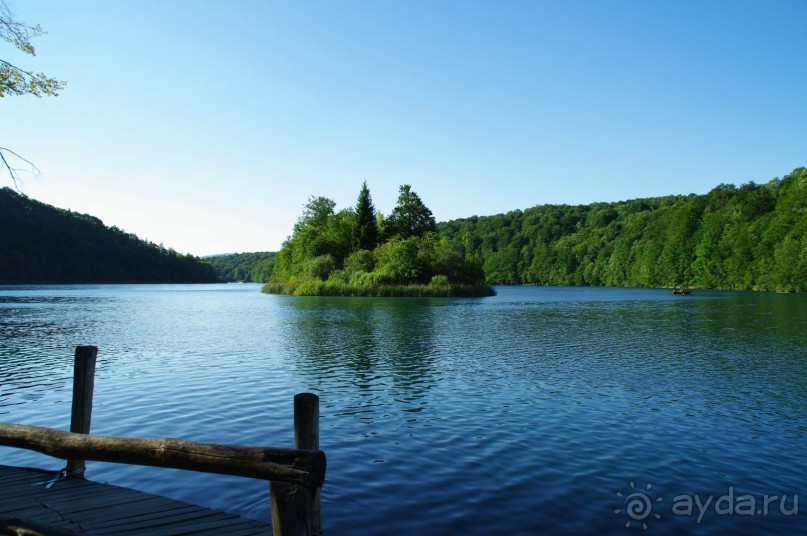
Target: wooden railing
{"x": 295, "y": 475}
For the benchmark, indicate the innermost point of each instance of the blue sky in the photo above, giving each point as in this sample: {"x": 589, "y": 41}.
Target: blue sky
{"x": 207, "y": 125}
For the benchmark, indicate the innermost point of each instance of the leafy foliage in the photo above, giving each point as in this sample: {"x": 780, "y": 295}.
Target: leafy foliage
{"x": 14, "y": 80}
{"x": 41, "y": 243}
{"x": 749, "y": 238}
{"x": 328, "y": 254}
{"x": 410, "y": 217}
{"x": 247, "y": 267}
{"x": 17, "y": 81}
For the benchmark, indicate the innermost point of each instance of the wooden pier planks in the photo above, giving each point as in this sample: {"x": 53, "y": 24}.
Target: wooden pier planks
{"x": 83, "y": 507}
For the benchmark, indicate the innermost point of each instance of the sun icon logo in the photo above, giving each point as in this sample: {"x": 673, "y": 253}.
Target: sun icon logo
{"x": 638, "y": 505}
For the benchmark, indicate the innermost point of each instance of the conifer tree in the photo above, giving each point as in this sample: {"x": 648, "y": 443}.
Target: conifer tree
{"x": 366, "y": 227}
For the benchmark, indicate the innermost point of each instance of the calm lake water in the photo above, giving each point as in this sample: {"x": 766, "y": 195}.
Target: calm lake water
{"x": 540, "y": 410}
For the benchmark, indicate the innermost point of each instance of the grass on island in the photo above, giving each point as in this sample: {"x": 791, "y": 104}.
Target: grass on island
{"x": 329, "y": 288}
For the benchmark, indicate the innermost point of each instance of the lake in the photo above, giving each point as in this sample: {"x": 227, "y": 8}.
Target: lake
{"x": 539, "y": 410}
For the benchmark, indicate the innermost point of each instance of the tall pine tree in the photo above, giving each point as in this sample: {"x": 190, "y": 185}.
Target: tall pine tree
{"x": 366, "y": 227}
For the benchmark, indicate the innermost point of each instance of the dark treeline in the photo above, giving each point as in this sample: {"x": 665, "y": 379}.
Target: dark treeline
{"x": 248, "y": 267}
{"x": 42, "y": 243}
{"x": 752, "y": 237}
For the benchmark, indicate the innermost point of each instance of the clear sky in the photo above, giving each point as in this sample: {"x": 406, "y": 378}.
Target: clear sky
{"x": 206, "y": 125}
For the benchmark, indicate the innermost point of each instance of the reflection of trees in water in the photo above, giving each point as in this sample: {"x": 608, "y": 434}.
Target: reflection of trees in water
{"x": 376, "y": 349}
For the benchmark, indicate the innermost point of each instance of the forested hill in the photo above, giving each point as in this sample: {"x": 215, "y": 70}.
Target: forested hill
{"x": 42, "y": 243}
{"x": 247, "y": 267}
{"x": 749, "y": 238}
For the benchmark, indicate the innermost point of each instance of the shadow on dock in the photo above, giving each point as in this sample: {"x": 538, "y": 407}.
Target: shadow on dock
{"x": 76, "y": 506}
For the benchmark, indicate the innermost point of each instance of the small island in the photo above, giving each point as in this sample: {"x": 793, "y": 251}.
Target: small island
{"x": 359, "y": 252}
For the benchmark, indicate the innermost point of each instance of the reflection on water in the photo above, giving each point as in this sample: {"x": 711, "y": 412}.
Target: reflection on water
{"x": 377, "y": 348}
{"x": 521, "y": 413}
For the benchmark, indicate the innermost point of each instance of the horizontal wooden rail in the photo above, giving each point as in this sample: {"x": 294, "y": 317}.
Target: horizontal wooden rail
{"x": 294, "y": 466}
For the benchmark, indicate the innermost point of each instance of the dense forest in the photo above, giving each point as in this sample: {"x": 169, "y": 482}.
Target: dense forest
{"x": 358, "y": 252}
{"x": 247, "y": 267}
{"x": 42, "y": 243}
{"x": 752, "y": 237}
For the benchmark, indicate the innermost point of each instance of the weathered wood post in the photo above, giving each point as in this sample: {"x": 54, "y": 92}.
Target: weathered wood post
{"x": 306, "y": 436}
{"x": 296, "y": 510}
{"x": 81, "y": 414}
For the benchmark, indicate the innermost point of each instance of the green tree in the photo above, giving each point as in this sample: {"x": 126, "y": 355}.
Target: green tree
{"x": 410, "y": 217}
{"x": 309, "y": 239}
{"x": 254, "y": 267}
{"x": 402, "y": 260}
{"x": 339, "y": 235}
{"x": 502, "y": 267}
{"x": 315, "y": 213}
{"x": 321, "y": 256}
{"x": 309, "y": 231}
{"x": 17, "y": 81}
{"x": 366, "y": 226}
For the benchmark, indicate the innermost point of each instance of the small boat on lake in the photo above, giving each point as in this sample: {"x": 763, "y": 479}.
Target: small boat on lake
{"x": 682, "y": 291}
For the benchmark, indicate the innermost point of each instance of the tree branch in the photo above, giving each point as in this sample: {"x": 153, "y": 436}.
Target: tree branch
{"x": 13, "y": 172}
{"x": 17, "y": 33}
{"x": 12, "y": 66}
{"x": 16, "y": 81}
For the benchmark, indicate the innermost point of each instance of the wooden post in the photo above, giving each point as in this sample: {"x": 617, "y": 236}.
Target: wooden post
{"x": 295, "y": 510}
{"x": 306, "y": 436}
{"x": 81, "y": 414}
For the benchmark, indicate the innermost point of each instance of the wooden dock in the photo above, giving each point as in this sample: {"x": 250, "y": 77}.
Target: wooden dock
{"x": 34, "y": 502}
{"x": 76, "y": 506}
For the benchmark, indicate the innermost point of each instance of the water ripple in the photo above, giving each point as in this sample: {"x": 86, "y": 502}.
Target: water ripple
{"x": 523, "y": 413}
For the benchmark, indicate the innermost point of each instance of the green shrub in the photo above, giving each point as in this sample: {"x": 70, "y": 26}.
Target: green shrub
{"x": 339, "y": 277}
{"x": 360, "y": 261}
{"x": 323, "y": 288}
{"x": 310, "y": 288}
{"x": 320, "y": 267}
